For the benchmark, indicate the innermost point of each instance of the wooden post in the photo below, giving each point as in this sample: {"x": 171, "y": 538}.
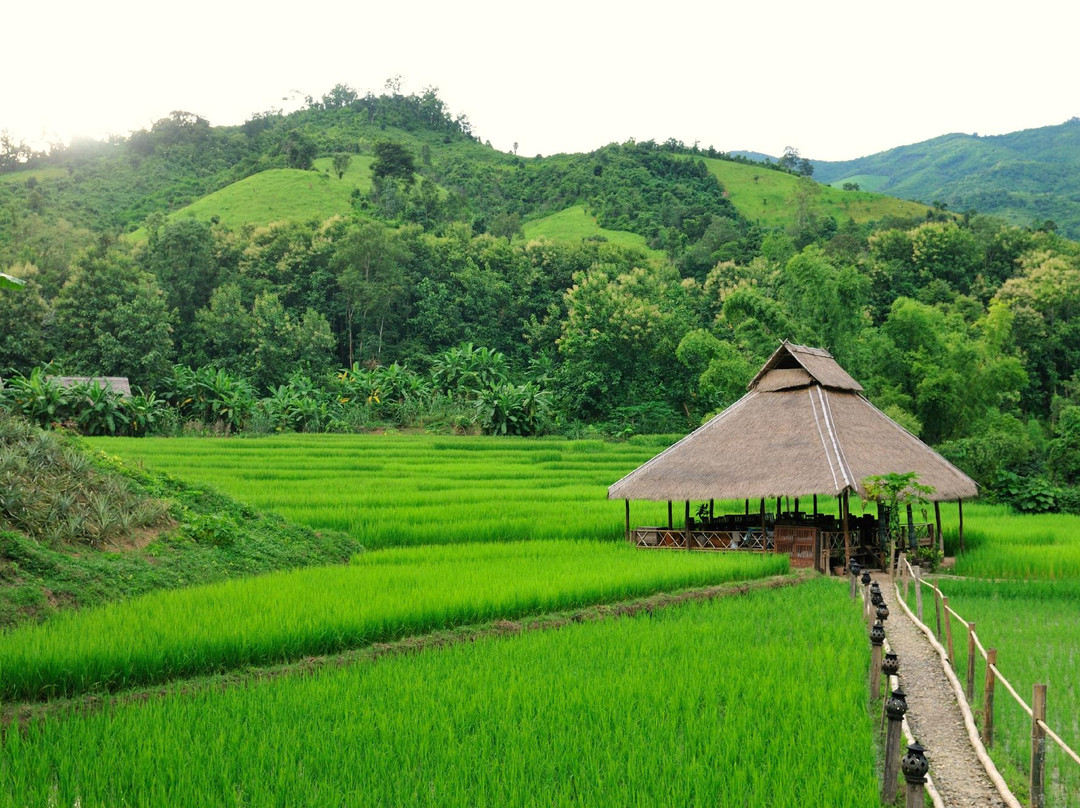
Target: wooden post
{"x": 628, "y": 519}
{"x": 764, "y": 532}
{"x": 914, "y": 797}
{"x": 912, "y": 542}
{"x": 779, "y": 506}
{"x": 711, "y": 504}
{"x": 948, "y": 630}
{"x": 670, "y": 523}
{"x": 917, "y": 572}
{"x": 815, "y": 506}
{"x": 883, "y": 530}
{"x": 937, "y": 612}
{"x": 960, "y": 511}
{"x": 940, "y": 537}
{"x": 892, "y": 759}
{"x": 905, "y": 576}
{"x": 969, "y": 685}
{"x": 847, "y": 534}
{"x": 875, "y": 670}
{"x": 686, "y": 524}
{"x": 747, "y": 507}
{"x": 988, "y": 699}
{"x": 1038, "y": 747}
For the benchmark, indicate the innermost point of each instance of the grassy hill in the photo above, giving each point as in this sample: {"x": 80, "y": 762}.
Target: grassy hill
{"x": 762, "y": 195}
{"x": 282, "y": 194}
{"x": 577, "y": 224}
{"x": 1025, "y": 177}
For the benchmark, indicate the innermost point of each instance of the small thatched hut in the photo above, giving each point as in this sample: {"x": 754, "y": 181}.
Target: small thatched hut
{"x": 803, "y": 429}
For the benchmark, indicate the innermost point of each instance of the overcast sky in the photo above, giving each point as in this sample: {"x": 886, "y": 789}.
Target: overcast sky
{"x": 836, "y": 79}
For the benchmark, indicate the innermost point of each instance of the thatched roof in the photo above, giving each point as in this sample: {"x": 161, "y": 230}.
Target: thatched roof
{"x": 117, "y": 384}
{"x": 803, "y": 428}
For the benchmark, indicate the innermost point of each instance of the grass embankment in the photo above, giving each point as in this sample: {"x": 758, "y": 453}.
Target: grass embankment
{"x": 78, "y": 529}
{"x": 393, "y": 490}
{"x": 380, "y": 597}
{"x": 764, "y": 196}
{"x": 670, "y": 708}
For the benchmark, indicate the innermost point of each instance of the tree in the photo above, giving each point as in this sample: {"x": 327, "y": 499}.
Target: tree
{"x": 181, "y": 256}
{"x": 791, "y": 161}
{"x": 895, "y": 491}
{"x": 23, "y": 336}
{"x": 112, "y": 320}
{"x": 341, "y": 163}
{"x": 299, "y": 150}
{"x": 620, "y": 333}
{"x": 394, "y": 161}
{"x": 368, "y": 263}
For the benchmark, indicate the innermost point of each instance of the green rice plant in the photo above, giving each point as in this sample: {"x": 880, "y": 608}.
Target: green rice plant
{"x": 669, "y": 708}
{"x": 381, "y": 596}
{"x": 1000, "y": 543}
{"x": 1032, "y": 624}
{"x": 392, "y": 490}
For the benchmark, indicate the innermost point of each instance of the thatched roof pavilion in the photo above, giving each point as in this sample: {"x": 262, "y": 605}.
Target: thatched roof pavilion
{"x": 803, "y": 428}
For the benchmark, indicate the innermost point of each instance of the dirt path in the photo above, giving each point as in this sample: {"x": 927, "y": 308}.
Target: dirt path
{"x": 933, "y": 713}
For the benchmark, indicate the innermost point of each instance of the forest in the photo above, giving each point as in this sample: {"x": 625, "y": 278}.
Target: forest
{"x": 425, "y": 306}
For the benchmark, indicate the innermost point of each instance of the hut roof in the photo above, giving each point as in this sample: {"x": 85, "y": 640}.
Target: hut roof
{"x": 804, "y": 427}
{"x": 117, "y": 384}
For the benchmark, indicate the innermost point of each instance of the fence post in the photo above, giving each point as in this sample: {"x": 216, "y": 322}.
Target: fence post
{"x": 937, "y": 611}
{"x": 877, "y": 638}
{"x": 948, "y": 630}
{"x": 906, "y": 575}
{"x": 969, "y": 690}
{"x": 1038, "y": 747}
{"x": 988, "y": 699}
{"x": 917, "y": 572}
{"x": 914, "y": 766}
{"x": 895, "y": 707}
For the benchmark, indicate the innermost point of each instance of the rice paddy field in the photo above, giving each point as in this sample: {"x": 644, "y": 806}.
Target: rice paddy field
{"x": 1003, "y": 544}
{"x": 379, "y": 597}
{"x": 394, "y": 490}
{"x": 620, "y": 712}
{"x": 669, "y": 708}
{"x": 1032, "y": 624}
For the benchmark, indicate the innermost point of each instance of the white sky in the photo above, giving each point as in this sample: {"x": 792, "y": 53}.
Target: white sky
{"x": 836, "y": 79}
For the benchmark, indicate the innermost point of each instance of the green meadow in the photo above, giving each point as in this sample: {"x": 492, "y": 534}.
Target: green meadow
{"x": 764, "y": 196}
{"x": 282, "y": 195}
{"x": 577, "y": 224}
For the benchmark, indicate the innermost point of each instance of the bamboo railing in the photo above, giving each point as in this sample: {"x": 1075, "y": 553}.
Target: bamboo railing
{"x": 1039, "y": 728}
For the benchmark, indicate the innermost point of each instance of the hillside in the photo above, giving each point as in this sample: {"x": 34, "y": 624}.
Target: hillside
{"x": 1025, "y": 177}
{"x": 764, "y": 195}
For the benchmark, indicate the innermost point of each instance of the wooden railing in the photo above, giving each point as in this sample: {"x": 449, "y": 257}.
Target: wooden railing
{"x": 1039, "y": 728}
{"x": 703, "y": 539}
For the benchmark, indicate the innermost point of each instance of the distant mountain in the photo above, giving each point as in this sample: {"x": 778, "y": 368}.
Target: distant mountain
{"x": 757, "y": 157}
{"x": 1025, "y": 177}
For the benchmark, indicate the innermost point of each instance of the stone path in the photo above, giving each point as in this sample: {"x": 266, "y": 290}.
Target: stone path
{"x": 933, "y": 713}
